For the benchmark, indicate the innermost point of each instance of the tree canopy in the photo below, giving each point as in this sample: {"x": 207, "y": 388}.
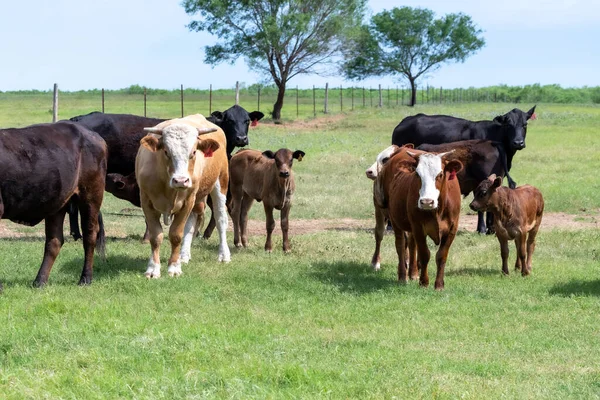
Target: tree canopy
{"x": 280, "y": 38}
{"x": 410, "y": 42}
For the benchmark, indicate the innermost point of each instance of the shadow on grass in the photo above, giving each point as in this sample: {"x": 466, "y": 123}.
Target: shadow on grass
{"x": 352, "y": 277}
{"x": 577, "y": 288}
{"x": 471, "y": 271}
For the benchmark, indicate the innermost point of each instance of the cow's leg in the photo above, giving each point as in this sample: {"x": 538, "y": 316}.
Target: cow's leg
{"x": 89, "y": 223}
{"x": 247, "y": 202}
{"x": 176, "y": 232}
{"x": 531, "y": 245}
{"x": 504, "y": 253}
{"x": 146, "y": 238}
{"x": 521, "y": 243}
{"x": 212, "y": 223}
{"x": 480, "y": 222}
{"x": 156, "y": 237}
{"x": 413, "y": 270}
{"x": 54, "y": 241}
{"x": 220, "y": 212}
{"x": 74, "y": 220}
{"x": 423, "y": 254}
{"x": 379, "y": 232}
{"x": 188, "y": 235}
{"x": 441, "y": 257}
{"x": 270, "y": 226}
{"x": 401, "y": 251}
{"x": 490, "y": 223}
{"x": 285, "y": 224}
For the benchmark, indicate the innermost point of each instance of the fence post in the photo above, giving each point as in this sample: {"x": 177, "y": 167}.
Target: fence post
{"x": 388, "y": 96}
{"x": 441, "y": 98}
{"x": 55, "y": 104}
{"x": 237, "y": 93}
{"x": 314, "y": 102}
{"x": 326, "y": 97}
{"x": 380, "y": 97}
{"x": 371, "y": 95}
{"x": 402, "y": 96}
{"x": 396, "y": 94}
{"x": 210, "y": 100}
{"x": 144, "y": 102}
{"x": 182, "y": 101}
{"x": 102, "y": 100}
{"x": 297, "y": 111}
{"x": 422, "y": 96}
{"x": 341, "y": 100}
{"x": 352, "y": 95}
{"x": 258, "y": 106}
{"x": 364, "y": 100}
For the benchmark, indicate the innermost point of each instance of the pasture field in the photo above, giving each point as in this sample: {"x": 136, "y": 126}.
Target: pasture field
{"x": 319, "y": 323}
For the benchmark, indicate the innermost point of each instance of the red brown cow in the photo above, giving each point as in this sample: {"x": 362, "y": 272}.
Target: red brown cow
{"x": 517, "y": 215}
{"x": 422, "y": 196}
{"x": 265, "y": 177}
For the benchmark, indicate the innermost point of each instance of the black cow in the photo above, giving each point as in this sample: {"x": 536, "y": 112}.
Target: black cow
{"x": 122, "y": 133}
{"x": 43, "y": 169}
{"x": 509, "y": 130}
{"x": 480, "y": 159}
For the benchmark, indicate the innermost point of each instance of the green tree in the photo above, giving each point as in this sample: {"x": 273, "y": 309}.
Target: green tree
{"x": 280, "y": 38}
{"x": 410, "y": 42}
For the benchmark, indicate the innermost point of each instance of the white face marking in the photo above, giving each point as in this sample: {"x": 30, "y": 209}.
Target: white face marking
{"x": 373, "y": 171}
{"x": 429, "y": 167}
{"x": 179, "y": 140}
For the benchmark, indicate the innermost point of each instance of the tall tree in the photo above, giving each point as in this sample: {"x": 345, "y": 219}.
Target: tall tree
{"x": 282, "y": 38}
{"x": 410, "y": 42}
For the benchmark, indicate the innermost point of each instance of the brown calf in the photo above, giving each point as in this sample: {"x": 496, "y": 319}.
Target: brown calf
{"x": 422, "y": 196}
{"x": 265, "y": 177}
{"x": 517, "y": 215}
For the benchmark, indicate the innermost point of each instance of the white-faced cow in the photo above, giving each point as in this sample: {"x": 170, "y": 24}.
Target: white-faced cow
{"x": 422, "y": 196}
{"x": 43, "y": 169}
{"x": 266, "y": 177}
{"x": 178, "y": 165}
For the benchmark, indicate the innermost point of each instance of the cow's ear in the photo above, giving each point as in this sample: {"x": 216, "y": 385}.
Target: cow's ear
{"x": 531, "y": 112}
{"x": 151, "y": 143}
{"x": 453, "y": 166}
{"x": 208, "y": 146}
{"x": 256, "y": 116}
{"x": 407, "y": 165}
{"x": 269, "y": 154}
{"x": 298, "y": 154}
{"x": 218, "y": 116}
{"x": 497, "y": 182}
{"x": 501, "y": 119}
{"x": 408, "y": 146}
{"x": 414, "y": 155}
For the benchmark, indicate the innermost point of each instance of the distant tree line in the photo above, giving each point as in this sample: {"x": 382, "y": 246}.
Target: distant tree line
{"x": 428, "y": 94}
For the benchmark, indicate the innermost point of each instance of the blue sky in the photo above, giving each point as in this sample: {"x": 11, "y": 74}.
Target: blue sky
{"x": 82, "y": 44}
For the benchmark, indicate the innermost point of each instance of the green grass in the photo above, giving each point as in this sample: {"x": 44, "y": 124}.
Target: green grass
{"x": 319, "y": 323}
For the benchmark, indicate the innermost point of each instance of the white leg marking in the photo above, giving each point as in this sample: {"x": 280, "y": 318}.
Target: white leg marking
{"x": 221, "y": 219}
{"x": 153, "y": 270}
{"x": 175, "y": 269}
{"x": 188, "y": 235}
{"x": 376, "y": 266}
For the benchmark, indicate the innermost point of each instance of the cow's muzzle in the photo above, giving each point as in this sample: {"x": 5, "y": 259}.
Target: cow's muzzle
{"x": 241, "y": 141}
{"x": 284, "y": 174}
{"x": 181, "y": 182}
{"x": 427, "y": 204}
{"x": 518, "y": 144}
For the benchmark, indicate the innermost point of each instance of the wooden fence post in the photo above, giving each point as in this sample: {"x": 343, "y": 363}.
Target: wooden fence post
{"x": 364, "y": 100}
{"x": 352, "y": 95}
{"x": 314, "y": 102}
{"x": 341, "y": 99}
{"x": 258, "y": 106}
{"x": 210, "y": 100}
{"x": 102, "y": 100}
{"x": 237, "y": 93}
{"x": 55, "y": 104}
{"x": 144, "y": 102}
{"x": 326, "y": 98}
{"x": 380, "y": 97}
{"x": 297, "y": 109}
{"x": 182, "y": 101}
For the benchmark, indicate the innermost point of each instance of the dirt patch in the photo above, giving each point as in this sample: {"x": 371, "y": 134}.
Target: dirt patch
{"x": 467, "y": 223}
{"x": 315, "y": 123}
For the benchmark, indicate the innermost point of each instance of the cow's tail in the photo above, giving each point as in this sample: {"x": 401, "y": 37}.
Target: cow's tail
{"x": 101, "y": 238}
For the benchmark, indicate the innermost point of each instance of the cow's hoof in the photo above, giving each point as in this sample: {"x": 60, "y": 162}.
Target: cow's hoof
{"x": 153, "y": 271}
{"x": 490, "y": 232}
{"x": 38, "y": 284}
{"x": 224, "y": 257}
{"x": 238, "y": 245}
{"x": 185, "y": 258}
{"x": 174, "y": 270}
{"x": 84, "y": 281}
{"x": 376, "y": 266}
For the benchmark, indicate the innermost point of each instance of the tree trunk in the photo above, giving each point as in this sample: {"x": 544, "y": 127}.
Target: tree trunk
{"x": 413, "y": 94}
{"x": 276, "y": 114}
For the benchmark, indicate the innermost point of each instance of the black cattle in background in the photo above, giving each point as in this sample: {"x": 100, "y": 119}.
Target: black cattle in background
{"x": 43, "y": 169}
{"x": 123, "y": 132}
{"x": 480, "y": 159}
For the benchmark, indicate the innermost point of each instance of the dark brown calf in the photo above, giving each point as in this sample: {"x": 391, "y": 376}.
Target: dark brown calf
{"x": 265, "y": 177}
{"x": 517, "y": 215}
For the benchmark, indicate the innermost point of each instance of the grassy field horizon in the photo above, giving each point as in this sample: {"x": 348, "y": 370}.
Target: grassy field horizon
{"x": 318, "y": 323}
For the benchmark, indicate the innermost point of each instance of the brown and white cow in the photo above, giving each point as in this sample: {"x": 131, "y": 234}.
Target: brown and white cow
{"x": 178, "y": 165}
{"x": 517, "y": 215}
{"x": 265, "y": 177}
{"x": 422, "y": 196}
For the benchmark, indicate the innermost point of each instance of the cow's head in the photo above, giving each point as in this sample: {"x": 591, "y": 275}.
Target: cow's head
{"x": 178, "y": 145}
{"x": 373, "y": 171}
{"x": 483, "y": 192}
{"x": 123, "y": 187}
{"x": 514, "y": 124}
{"x": 284, "y": 158}
{"x": 433, "y": 170}
{"x": 235, "y": 121}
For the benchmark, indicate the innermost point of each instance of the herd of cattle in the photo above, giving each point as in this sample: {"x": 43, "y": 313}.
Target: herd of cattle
{"x": 175, "y": 168}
